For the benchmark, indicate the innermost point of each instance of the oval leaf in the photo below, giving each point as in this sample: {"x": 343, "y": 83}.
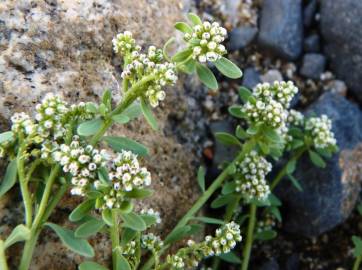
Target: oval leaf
{"x": 316, "y": 159}
{"x": 147, "y": 113}
{"x": 122, "y": 143}
{"x": 210, "y": 220}
{"x": 89, "y": 228}
{"x": 183, "y": 27}
{"x": 91, "y": 266}
{"x": 81, "y": 210}
{"x": 177, "y": 234}
{"x": 230, "y": 257}
{"x": 107, "y": 217}
{"x": 201, "y": 178}
{"x": 228, "y": 68}
{"x": 19, "y": 233}
{"x": 122, "y": 263}
{"x": 133, "y": 221}
{"x": 6, "y": 136}
{"x": 90, "y": 127}
{"x": 206, "y": 76}
{"x": 227, "y": 138}
{"x": 9, "y": 178}
{"x": 194, "y": 18}
{"x": 139, "y": 193}
{"x": 80, "y": 246}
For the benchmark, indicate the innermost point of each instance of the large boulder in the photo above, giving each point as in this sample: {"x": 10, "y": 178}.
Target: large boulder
{"x": 329, "y": 194}
{"x": 281, "y": 28}
{"x": 342, "y": 33}
{"x": 66, "y": 47}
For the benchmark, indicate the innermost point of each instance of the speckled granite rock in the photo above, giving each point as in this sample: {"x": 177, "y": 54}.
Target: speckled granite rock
{"x": 65, "y": 47}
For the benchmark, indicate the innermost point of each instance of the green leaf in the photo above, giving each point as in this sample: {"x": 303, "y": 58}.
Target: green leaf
{"x": 228, "y": 188}
{"x": 147, "y": 113}
{"x": 149, "y": 220}
{"x": 89, "y": 228}
{"x": 209, "y": 220}
{"x": 90, "y": 127}
{"x": 120, "y": 119}
{"x": 177, "y": 234}
{"x": 10, "y": 178}
{"x": 291, "y": 165}
{"x": 228, "y": 68}
{"x": 272, "y": 135}
{"x": 121, "y": 262}
{"x": 194, "y": 19}
{"x": 264, "y": 147}
{"x": 189, "y": 66}
{"x": 91, "y": 266}
{"x": 316, "y": 159}
{"x": 127, "y": 235}
{"x": 6, "y": 136}
{"x": 139, "y": 193}
{"x": 252, "y": 130}
{"x": 201, "y": 178}
{"x": 357, "y": 241}
{"x": 222, "y": 200}
{"x": 107, "y": 216}
{"x": 103, "y": 175}
{"x": 230, "y": 257}
{"x": 183, "y": 27}
{"x": 266, "y": 235}
{"x": 244, "y": 94}
{"x": 107, "y": 98}
{"x": 297, "y": 143}
{"x": 236, "y": 111}
{"x": 67, "y": 237}
{"x": 227, "y": 138}
{"x": 126, "y": 207}
{"x": 359, "y": 208}
{"x": 122, "y": 143}
{"x": 19, "y": 233}
{"x": 181, "y": 56}
{"x": 295, "y": 182}
{"x": 275, "y": 211}
{"x": 241, "y": 133}
{"x": 91, "y": 107}
{"x": 133, "y": 221}
{"x": 81, "y": 210}
{"x": 206, "y": 76}
{"x": 274, "y": 201}
{"x": 131, "y": 112}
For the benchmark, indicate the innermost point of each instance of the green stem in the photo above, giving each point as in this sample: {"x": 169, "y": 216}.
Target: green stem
{"x": 54, "y": 202}
{"x": 283, "y": 171}
{"x": 357, "y": 263}
{"x": 115, "y": 233}
{"x": 3, "y": 263}
{"x": 249, "y": 237}
{"x": 29, "y": 250}
{"x": 202, "y": 200}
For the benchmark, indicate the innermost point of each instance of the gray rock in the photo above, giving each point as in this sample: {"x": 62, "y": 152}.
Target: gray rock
{"x": 341, "y": 29}
{"x": 312, "y": 43}
{"x": 292, "y": 263}
{"x": 329, "y": 194}
{"x": 272, "y": 264}
{"x": 313, "y": 65}
{"x": 309, "y": 13}
{"x": 271, "y": 76}
{"x": 251, "y": 77}
{"x": 222, "y": 152}
{"x": 241, "y": 37}
{"x": 281, "y": 28}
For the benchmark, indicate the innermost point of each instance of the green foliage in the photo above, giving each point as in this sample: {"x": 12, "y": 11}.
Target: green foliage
{"x": 18, "y": 234}
{"x": 206, "y": 76}
{"x": 122, "y": 143}
{"x": 201, "y": 178}
{"x": 9, "y": 179}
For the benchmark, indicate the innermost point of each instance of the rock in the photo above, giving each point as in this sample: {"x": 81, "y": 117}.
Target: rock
{"x": 251, "y": 77}
{"x": 309, "y": 13}
{"x": 281, "y": 28}
{"x": 313, "y": 65}
{"x": 342, "y": 32}
{"x": 329, "y": 195}
{"x": 337, "y": 87}
{"x": 230, "y": 10}
{"x": 222, "y": 152}
{"x": 292, "y": 263}
{"x": 272, "y": 264}
{"x": 271, "y": 76}
{"x": 311, "y": 43}
{"x": 66, "y": 47}
{"x": 241, "y": 37}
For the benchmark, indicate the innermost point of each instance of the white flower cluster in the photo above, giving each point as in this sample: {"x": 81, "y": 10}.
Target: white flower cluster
{"x": 50, "y": 116}
{"x": 271, "y": 103}
{"x": 124, "y": 43}
{"x": 151, "y": 64}
{"x": 250, "y": 176}
{"x": 21, "y": 122}
{"x": 295, "y": 118}
{"x": 129, "y": 249}
{"x": 125, "y": 175}
{"x": 81, "y": 162}
{"x": 151, "y": 212}
{"x": 321, "y": 131}
{"x": 224, "y": 241}
{"x": 267, "y": 223}
{"x": 151, "y": 242}
{"x": 205, "y": 42}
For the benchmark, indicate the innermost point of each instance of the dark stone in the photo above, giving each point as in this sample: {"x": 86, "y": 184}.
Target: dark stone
{"x": 292, "y": 263}
{"x": 311, "y": 43}
{"x": 272, "y": 264}
{"x": 309, "y": 13}
{"x": 251, "y": 78}
{"x": 342, "y": 32}
{"x": 222, "y": 152}
{"x": 281, "y": 28}
{"x": 241, "y": 37}
{"x": 329, "y": 195}
{"x": 313, "y": 65}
